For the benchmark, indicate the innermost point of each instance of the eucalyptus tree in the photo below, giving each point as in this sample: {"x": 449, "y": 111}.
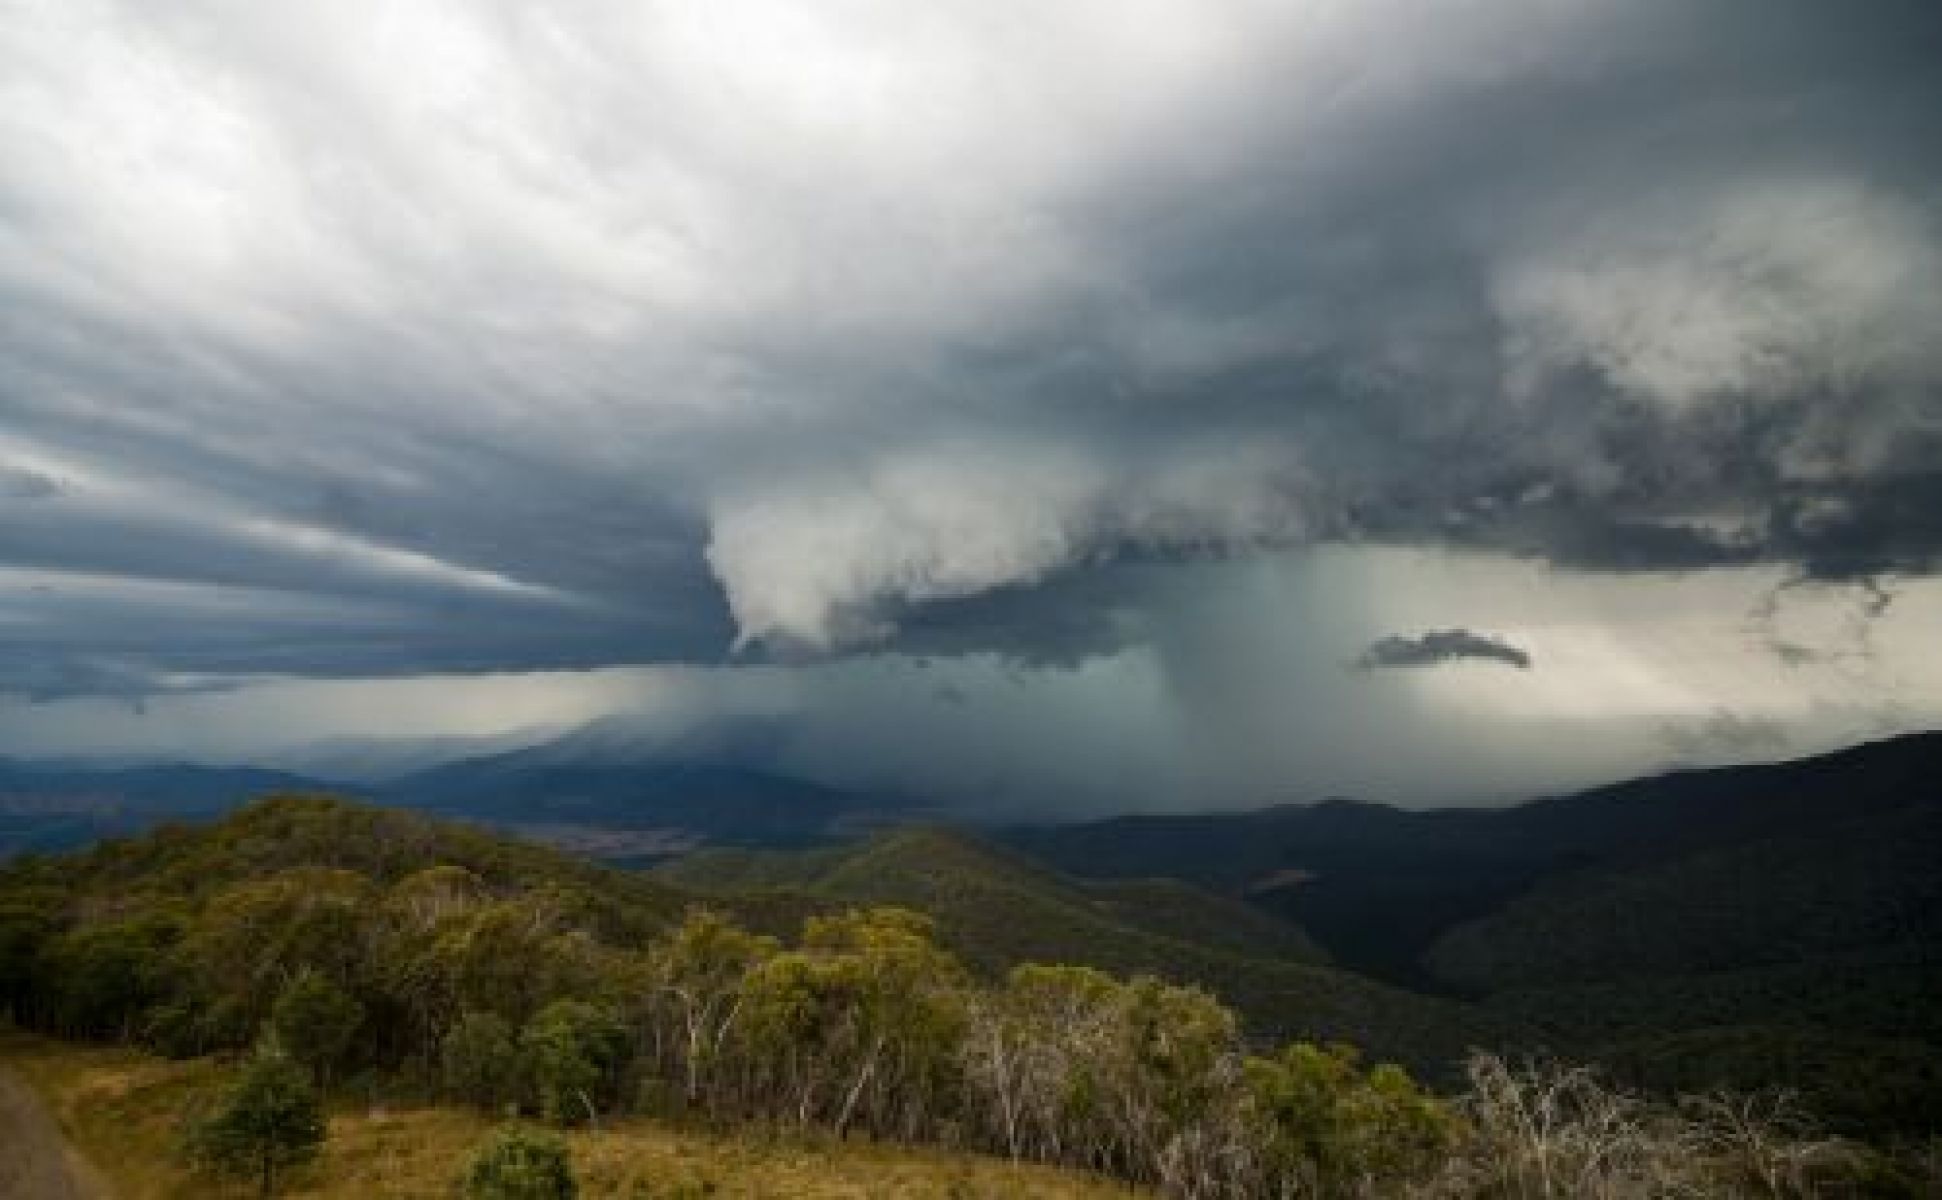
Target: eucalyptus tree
{"x": 699, "y": 982}
{"x": 861, "y": 1024}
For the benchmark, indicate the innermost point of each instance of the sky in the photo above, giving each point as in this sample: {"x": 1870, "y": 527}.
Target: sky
{"x": 1105, "y": 405}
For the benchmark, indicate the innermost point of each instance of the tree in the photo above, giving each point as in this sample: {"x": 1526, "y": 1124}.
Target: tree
{"x": 101, "y": 977}
{"x": 862, "y": 1024}
{"x": 251, "y": 938}
{"x": 575, "y": 1051}
{"x": 1335, "y": 1128}
{"x": 314, "y": 1020}
{"x": 521, "y": 1164}
{"x": 1033, "y": 1057}
{"x": 700, "y": 971}
{"x": 508, "y": 957}
{"x": 481, "y": 1062}
{"x": 29, "y": 919}
{"x": 269, "y": 1120}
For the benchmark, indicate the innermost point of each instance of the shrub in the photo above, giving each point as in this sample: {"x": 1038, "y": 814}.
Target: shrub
{"x": 520, "y": 1164}
{"x": 1764, "y": 1146}
{"x": 268, "y": 1121}
{"x": 1544, "y": 1130}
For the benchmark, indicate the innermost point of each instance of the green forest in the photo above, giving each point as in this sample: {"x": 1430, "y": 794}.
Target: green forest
{"x": 328, "y": 949}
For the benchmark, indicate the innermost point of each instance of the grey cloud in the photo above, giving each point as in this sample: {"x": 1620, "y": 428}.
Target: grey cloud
{"x": 26, "y": 485}
{"x": 44, "y": 679}
{"x": 1437, "y": 647}
{"x": 1726, "y": 732}
{"x": 464, "y": 337}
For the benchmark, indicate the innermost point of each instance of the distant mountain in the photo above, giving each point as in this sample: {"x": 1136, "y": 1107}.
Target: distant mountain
{"x": 58, "y": 806}
{"x": 665, "y": 808}
{"x": 608, "y": 791}
{"x": 373, "y": 761}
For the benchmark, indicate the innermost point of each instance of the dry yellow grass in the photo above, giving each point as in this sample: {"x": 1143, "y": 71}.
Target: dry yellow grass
{"x": 124, "y": 1109}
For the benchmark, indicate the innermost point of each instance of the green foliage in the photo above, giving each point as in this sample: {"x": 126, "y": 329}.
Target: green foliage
{"x": 481, "y": 1064}
{"x": 575, "y": 1052}
{"x": 1340, "y": 1128}
{"x": 1136, "y": 1078}
{"x": 697, "y": 984}
{"x": 315, "y": 1021}
{"x": 250, "y": 938}
{"x": 29, "y": 919}
{"x": 525, "y": 980}
{"x": 997, "y": 909}
{"x": 104, "y": 976}
{"x": 421, "y": 920}
{"x": 268, "y": 1121}
{"x": 1768, "y": 901}
{"x": 521, "y": 1164}
{"x": 869, "y": 1006}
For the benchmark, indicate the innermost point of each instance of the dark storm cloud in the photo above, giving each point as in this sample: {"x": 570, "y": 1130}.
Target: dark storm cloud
{"x": 1439, "y": 646}
{"x": 382, "y": 339}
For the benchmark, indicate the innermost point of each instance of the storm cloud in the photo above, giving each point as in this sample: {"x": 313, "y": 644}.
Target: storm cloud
{"x": 391, "y": 339}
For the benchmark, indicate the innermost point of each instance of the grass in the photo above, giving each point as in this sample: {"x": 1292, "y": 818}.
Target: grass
{"x": 123, "y": 1110}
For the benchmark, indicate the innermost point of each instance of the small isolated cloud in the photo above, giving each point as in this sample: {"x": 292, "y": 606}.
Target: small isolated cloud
{"x": 1439, "y": 646}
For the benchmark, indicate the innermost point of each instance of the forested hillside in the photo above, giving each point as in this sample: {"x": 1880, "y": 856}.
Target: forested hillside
{"x": 325, "y": 949}
{"x": 1378, "y": 886}
{"x": 1766, "y": 926}
{"x": 156, "y": 902}
{"x": 998, "y": 908}
{"x": 1810, "y": 960}
{"x": 343, "y": 940}
{"x": 1005, "y": 906}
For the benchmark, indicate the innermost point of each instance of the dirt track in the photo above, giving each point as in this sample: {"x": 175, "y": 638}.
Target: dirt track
{"x": 36, "y": 1163}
